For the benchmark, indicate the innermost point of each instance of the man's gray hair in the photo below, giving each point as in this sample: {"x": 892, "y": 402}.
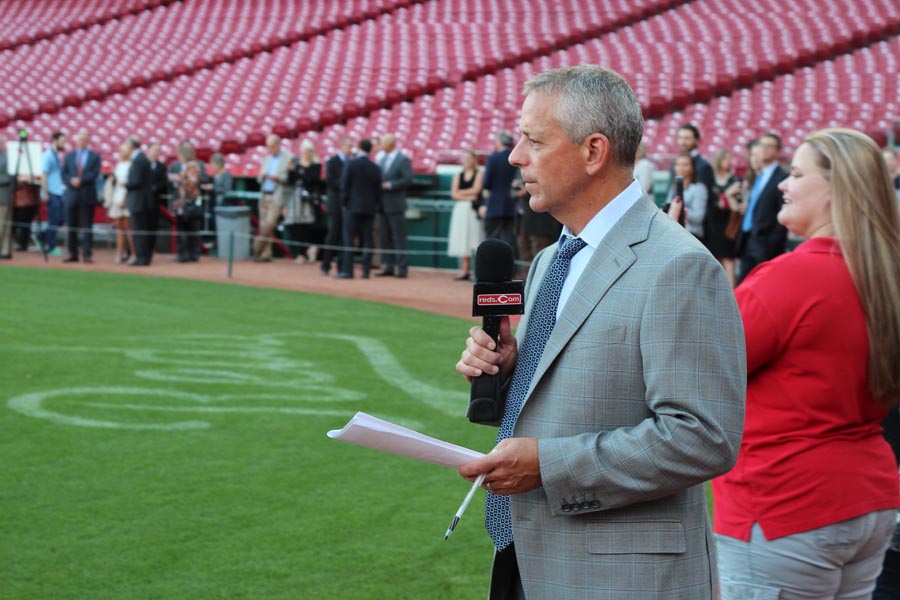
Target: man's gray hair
{"x": 594, "y": 99}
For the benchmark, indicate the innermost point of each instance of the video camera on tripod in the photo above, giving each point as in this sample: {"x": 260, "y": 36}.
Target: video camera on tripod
{"x": 26, "y": 189}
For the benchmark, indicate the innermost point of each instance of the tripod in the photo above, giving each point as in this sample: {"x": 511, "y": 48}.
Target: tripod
{"x": 26, "y": 200}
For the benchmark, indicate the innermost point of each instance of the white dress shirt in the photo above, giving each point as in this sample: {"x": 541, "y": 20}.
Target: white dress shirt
{"x": 593, "y": 234}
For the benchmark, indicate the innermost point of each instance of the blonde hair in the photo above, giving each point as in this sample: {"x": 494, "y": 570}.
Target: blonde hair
{"x": 866, "y": 222}
{"x": 718, "y": 157}
{"x": 308, "y": 145}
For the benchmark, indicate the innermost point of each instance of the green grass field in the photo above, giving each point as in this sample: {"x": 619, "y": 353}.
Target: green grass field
{"x": 165, "y": 439}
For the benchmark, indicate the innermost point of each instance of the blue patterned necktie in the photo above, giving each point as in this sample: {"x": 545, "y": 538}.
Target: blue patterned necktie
{"x": 541, "y": 320}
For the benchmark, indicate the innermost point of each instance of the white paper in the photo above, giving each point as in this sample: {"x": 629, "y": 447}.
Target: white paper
{"x": 371, "y": 432}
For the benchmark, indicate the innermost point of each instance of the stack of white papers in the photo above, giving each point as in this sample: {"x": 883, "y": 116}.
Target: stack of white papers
{"x": 366, "y": 430}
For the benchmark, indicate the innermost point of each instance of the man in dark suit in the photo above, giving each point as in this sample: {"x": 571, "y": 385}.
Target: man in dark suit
{"x": 361, "y": 199}
{"x": 334, "y": 169}
{"x": 396, "y": 177}
{"x": 160, "y": 184}
{"x": 141, "y": 204}
{"x": 81, "y": 168}
{"x": 762, "y": 236}
{"x": 499, "y": 210}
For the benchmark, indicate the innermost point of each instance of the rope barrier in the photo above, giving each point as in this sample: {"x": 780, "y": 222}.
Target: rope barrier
{"x": 233, "y": 235}
{"x": 250, "y": 236}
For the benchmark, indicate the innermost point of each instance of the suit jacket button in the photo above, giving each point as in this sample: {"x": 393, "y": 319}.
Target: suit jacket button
{"x": 575, "y": 507}
{"x": 566, "y": 507}
{"x": 585, "y": 505}
{"x": 595, "y": 504}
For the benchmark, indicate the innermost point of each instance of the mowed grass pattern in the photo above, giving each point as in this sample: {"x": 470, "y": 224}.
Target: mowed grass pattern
{"x": 102, "y": 499}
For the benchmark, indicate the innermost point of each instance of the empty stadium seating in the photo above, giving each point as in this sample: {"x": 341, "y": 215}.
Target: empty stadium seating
{"x": 442, "y": 74}
{"x": 27, "y": 21}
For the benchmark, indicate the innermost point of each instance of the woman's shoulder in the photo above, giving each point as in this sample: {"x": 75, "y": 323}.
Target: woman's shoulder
{"x": 813, "y": 263}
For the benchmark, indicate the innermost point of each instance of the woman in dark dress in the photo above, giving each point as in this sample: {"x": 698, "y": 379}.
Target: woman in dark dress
{"x": 304, "y": 206}
{"x": 718, "y": 212}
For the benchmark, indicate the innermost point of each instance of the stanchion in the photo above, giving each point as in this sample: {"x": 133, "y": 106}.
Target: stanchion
{"x": 230, "y": 251}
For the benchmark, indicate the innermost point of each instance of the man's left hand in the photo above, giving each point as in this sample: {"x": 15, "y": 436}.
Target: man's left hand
{"x": 512, "y": 467}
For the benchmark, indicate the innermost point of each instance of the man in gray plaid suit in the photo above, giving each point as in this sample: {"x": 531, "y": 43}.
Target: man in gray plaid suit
{"x": 626, "y": 385}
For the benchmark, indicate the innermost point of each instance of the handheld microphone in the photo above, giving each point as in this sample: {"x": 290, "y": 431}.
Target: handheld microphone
{"x": 495, "y": 295}
{"x": 679, "y": 193}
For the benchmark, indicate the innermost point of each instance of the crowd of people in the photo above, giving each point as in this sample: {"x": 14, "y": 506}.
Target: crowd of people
{"x": 134, "y": 194}
{"x": 360, "y": 184}
{"x": 733, "y": 216}
{"x": 364, "y": 190}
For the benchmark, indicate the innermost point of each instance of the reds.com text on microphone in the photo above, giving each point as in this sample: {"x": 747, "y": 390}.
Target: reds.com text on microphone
{"x": 498, "y": 299}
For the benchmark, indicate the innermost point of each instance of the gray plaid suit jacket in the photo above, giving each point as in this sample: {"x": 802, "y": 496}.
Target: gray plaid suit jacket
{"x": 638, "y": 400}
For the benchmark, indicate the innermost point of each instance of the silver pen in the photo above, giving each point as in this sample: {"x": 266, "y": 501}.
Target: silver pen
{"x": 463, "y": 506}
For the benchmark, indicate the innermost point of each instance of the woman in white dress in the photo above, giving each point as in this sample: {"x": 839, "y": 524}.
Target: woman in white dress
{"x": 114, "y": 201}
{"x": 466, "y": 231}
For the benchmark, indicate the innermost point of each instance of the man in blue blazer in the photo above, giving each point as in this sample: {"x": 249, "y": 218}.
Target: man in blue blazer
{"x": 625, "y": 389}
{"x": 80, "y": 171}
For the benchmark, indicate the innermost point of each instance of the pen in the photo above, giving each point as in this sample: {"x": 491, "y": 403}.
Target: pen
{"x": 463, "y": 506}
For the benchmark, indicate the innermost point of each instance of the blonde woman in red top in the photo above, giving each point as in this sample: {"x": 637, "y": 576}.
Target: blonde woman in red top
{"x": 808, "y": 510}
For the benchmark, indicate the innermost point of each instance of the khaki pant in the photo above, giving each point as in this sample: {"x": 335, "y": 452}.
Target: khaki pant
{"x": 5, "y": 230}
{"x": 269, "y": 213}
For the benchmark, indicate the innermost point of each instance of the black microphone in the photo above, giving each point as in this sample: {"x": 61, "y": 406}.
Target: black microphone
{"x": 679, "y": 193}
{"x": 495, "y": 295}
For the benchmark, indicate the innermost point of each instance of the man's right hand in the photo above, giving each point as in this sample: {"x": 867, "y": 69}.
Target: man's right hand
{"x": 482, "y": 356}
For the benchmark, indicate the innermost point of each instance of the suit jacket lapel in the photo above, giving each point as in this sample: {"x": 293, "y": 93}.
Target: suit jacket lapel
{"x": 612, "y": 258}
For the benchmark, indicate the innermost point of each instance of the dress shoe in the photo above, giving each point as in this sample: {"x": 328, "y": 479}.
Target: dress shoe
{"x": 70, "y": 259}
{"x": 465, "y": 277}
{"x": 324, "y": 271}
{"x": 5, "y": 256}
{"x": 365, "y": 275}
{"x": 88, "y": 260}
{"x": 343, "y": 276}
{"x": 138, "y": 263}
{"x": 401, "y": 275}
{"x": 385, "y": 273}
{"x": 181, "y": 259}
